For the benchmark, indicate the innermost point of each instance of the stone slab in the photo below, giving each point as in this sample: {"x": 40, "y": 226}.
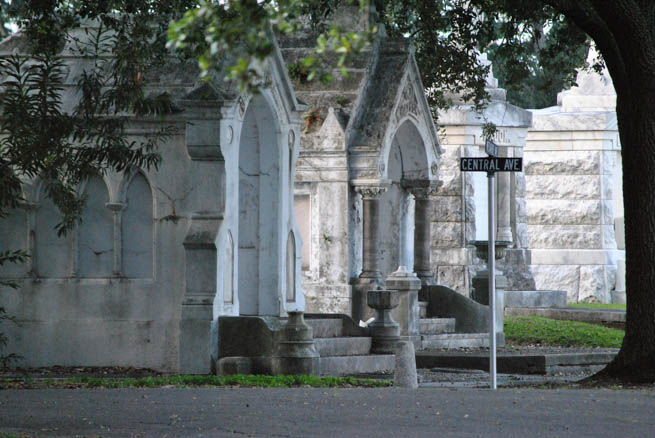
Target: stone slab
{"x": 345, "y": 365}
{"x": 535, "y": 298}
{"x": 345, "y": 346}
{"x": 436, "y": 326}
{"x": 459, "y": 340}
{"x": 510, "y": 363}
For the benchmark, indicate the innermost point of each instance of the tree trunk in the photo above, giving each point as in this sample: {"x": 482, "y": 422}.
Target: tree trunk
{"x": 636, "y": 117}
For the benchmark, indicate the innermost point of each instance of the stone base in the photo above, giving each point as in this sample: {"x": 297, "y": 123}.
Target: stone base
{"x": 228, "y": 366}
{"x": 295, "y": 365}
{"x": 535, "y": 298}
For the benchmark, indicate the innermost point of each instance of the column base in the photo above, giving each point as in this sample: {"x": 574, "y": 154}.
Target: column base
{"x": 360, "y": 286}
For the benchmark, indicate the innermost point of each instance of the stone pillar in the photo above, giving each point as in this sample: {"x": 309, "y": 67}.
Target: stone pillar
{"x": 384, "y": 330}
{"x": 503, "y": 196}
{"x": 407, "y": 312}
{"x": 422, "y": 238}
{"x": 371, "y": 276}
{"x": 116, "y": 209}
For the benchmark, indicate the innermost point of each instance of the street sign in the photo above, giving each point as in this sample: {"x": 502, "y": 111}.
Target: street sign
{"x": 490, "y": 164}
{"x": 491, "y": 148}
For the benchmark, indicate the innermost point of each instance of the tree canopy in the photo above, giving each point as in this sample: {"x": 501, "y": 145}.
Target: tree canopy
{"x": 536, "y": 46}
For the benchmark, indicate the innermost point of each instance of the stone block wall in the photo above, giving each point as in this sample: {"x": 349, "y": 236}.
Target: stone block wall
{"x": 571, "y": 163}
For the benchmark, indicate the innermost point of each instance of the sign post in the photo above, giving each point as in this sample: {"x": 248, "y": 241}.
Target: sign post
{"x": 491, "y": 165}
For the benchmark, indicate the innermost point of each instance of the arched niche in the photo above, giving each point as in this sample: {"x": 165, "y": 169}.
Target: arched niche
{"x": 291, "y": 267}
{"x": 96, "y": 232}
{"x": 259, "y": 209}
{"x": 53, "y": 254}
{"x": 407, "y": 161}
{"x": 16, "y": 221}
{"x": 136, "y": 229}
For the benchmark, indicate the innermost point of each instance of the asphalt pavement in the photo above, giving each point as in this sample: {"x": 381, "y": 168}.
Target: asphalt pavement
{"x": 307, "y": 412}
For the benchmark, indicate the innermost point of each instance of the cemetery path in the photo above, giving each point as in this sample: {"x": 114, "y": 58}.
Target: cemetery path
{"x": 300, "y": 412}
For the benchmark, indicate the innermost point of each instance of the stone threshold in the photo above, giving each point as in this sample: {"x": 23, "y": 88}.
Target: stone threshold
{"x": 517, "y": 363}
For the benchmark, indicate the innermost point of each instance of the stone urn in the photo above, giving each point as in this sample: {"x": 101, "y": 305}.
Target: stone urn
{"x": 295, "y": 351}
{"x": 384, "y": 330}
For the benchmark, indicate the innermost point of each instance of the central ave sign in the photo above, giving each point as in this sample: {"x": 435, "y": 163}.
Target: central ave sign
{"x": 491, "y": 164}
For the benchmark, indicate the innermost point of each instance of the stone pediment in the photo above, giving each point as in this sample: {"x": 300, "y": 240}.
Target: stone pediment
{"x": 393, "y": 93}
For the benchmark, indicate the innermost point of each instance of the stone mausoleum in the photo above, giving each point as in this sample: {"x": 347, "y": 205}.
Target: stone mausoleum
{"x": 304, "y": 198}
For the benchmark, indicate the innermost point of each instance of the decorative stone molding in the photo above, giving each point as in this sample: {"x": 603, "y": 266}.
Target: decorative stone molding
{"x": 422, "y": 189}
{"x": 408, "y": 103}
{"x": 371, "y": 191}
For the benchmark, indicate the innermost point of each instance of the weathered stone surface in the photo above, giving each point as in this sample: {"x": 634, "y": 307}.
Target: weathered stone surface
{"x": 451, "y": 256}
{"x": 596, "y": 283}
{"x": 228, "y": 366}
{"x": 447, "y": 209}
{"x": 451, "y": 183}
{"x": 450, "y": 158}
{"x": 405, "y": 371}
{"x": 562, "y": 163}
{"x": 564, "y": 212}
{"x": 563, "y": 187}
{"x": 453, "y": 277}
{"x": 558, "y": 277}
{"x": 446, "y": 234}
{"x": 565, "y": 236}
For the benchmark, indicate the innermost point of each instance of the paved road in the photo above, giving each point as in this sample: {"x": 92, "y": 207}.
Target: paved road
{"x": 299, "y": 412}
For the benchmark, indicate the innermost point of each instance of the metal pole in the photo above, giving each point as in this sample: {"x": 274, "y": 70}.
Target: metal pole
{"x": 492, "y": 282}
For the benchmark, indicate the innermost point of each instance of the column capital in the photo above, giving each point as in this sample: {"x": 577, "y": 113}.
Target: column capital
{"x": 115, "y": 206}
{"x": 423, "y": 189}
{"x": 370, "y": 189}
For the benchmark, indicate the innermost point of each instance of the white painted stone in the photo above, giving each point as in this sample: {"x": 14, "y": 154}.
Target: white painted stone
{"x": 446, "y": 235}
{"x": 447, "y": 209}
{"x": 596, "y": 282}
{"x": 565, "y": 236}
{"x": 564, "y": 212}
{"x": 562, "y": 163}
{"x": 563, "y": 187}
{"x": 558, "y": 277}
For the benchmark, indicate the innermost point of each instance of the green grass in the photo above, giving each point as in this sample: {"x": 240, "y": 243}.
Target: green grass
{"x": 524, "y": 330}
{"x": 597, "y": 306}
{"x": 182, "y": 381}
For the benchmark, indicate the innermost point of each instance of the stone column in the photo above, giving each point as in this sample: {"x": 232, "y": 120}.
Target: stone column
{"x": 371, "y": 276}
{"x": 117, "y": 213}
{"x": 422, "y": 238}
{"x": 503, "y": 196}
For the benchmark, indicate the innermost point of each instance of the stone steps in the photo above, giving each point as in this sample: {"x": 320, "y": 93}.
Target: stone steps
{"x": 455, "y": 340}
{"x": 436, "y": 326}
{"x": 344, "y": 346}
{"x": 326, "y": 328}
{"x": 345, "y": 365}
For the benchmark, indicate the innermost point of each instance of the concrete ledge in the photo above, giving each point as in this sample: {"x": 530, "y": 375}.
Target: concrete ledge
{"x": 593, "y": 316}
{"x": 512, "y": 363}
{"x": 535, "y": 298}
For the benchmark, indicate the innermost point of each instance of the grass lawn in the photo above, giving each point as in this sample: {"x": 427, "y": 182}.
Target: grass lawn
{"x": 597, "y": 306}
{"x": 523, "y": 330}
{"x": 182, "y": 381}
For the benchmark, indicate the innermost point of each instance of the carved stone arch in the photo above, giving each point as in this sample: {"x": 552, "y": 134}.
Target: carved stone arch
{"x": 95, "y": 234}
{"x": 136, "y": 210}
{"x": 53, "y": 255}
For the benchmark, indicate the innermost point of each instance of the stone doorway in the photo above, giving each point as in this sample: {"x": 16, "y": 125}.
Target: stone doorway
{"x": 259, "y": 181}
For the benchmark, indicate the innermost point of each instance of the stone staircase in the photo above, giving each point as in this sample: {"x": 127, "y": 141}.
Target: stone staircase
{"x": 345, "y": 348}
{"x": 439, "y": 333}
